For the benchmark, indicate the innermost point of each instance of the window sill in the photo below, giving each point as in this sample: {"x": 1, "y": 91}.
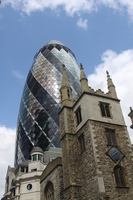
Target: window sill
{"x": 126, "y": 187}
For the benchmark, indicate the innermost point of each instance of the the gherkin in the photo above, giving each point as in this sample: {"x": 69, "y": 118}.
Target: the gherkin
{"x": 38, "y": 121}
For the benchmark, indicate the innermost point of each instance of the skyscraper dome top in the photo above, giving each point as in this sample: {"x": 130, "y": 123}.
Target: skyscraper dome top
{"x": 54, "y": 42}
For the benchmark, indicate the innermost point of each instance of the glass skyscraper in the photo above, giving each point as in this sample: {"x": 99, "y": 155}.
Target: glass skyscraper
{"x": 38, "y": 121}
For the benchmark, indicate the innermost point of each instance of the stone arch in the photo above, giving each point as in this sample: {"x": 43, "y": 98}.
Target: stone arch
{"x": 49, "y": 191}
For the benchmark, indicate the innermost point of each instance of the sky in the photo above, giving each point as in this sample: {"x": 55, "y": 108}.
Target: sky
{"x": 99, "y": 32}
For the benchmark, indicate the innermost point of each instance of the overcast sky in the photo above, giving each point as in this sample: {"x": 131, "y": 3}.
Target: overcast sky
{"x": 99, "y": 32}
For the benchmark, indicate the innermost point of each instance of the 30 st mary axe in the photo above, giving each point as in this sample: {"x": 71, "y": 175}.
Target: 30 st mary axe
{"x": 38, "y": 121}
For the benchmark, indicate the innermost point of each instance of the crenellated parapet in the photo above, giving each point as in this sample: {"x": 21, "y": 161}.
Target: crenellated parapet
{"x": 85, "y": 88}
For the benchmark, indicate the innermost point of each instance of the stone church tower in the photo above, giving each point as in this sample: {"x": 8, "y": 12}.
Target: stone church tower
{"x": 96, "y": 149}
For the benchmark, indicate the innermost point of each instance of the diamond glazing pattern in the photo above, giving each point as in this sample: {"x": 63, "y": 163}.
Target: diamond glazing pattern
{"x": 38, "y": 121}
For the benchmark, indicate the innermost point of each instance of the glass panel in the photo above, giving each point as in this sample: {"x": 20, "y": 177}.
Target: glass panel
{"x": 113, "y": 138}
{"x": 102, "y": 109}
{"x": 107, "y": 110}
{"x": 78, "y": 115}
{"x": 122, "y": 178}
{"x": 26, "y": 169}
{"x": 77, "y": 118}
{"x": 50, "y": 47}
{"x": 108, "y": 137}
{"x": 13, "y": 192}
{"x": 80, "y": 118}
{"x": 22, "y": 169}
{"x": 34, "y": 157}
{"x": 40, "y": 157}
{"x": 117, "y": 178}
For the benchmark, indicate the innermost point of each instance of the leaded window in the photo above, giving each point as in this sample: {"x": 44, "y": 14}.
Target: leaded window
{"x": 120, "y": 178}
{"x": 111, "y": 137}
{"x": 105, "y": 109}
{"x": 78, "y": 116}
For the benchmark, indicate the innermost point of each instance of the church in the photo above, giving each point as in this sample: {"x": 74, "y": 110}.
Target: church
{"x": 95, "y": 159}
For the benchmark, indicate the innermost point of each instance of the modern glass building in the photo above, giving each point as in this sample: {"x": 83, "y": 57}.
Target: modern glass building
{"x": 38, "y": 121}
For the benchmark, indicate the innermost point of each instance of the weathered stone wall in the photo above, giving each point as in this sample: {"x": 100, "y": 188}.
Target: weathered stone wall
{"x": 73, "y": 192}
{"x": 92, "y": 170}
{"x": 85, "y": 163}
{"x": 69, "y": 153}
{"x": 106, "y": 165}
{"x": 78, "y": 169}
{"x": 56, "y": 177}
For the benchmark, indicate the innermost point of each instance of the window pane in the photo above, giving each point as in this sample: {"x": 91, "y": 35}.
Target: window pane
{"x": 113, "y": 138}
{"x": 107, "y": 110}
{"x": 34, "y": 157}
{"x": 77, "y": 118}
{"x": 14, "y": 192}
{"x": 78, "y": 115}
{"x": 26, "y": 169}
{"x": 122, "y": 178}
{"x": 39, "y": 157}
{"x": 108, "y": 137}
{"x": 102, "y": 110}
{"x": 22, "y": 169}
{"x": 117, "y": 178}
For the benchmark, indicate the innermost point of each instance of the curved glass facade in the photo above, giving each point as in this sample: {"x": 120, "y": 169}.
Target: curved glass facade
{"x": 38, "y": 121}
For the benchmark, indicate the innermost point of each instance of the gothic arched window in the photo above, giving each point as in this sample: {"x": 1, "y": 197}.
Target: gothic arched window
{"x": 120, "y": 178}
{"x": 49, "y": 191}
{"x": 105, "y": 109}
